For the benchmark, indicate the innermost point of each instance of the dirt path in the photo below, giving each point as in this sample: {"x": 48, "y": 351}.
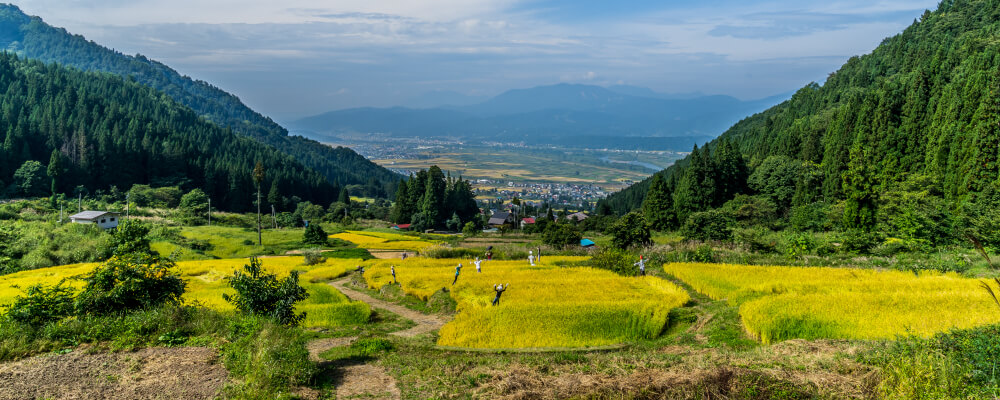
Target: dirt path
{"x": 425, "y": 323}
{"x": 361, "y": 380}
{"x": 152, "y": 373}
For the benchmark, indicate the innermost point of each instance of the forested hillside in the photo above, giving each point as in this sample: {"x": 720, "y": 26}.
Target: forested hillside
{"x": 63, "y": 128}
{"x": 32, "y": 38}
{"x": 911, "y": 129}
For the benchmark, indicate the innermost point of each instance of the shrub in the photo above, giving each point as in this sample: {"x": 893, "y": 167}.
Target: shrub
{"x": 130, "y": 237}
{"x": 631, "y": 230}
{"x": 315, "y": 235}
{"x": 313, "y": 257}
{"x": 260, "y": 293}
{"x": 618, "y": 261}
{"x": 41, "y": 305}
{"x": 367, "y": 347}
{"x": 858, "y": 241}
{"x": 755, "y": 239}
{"x": 269, "y": 360}
{"x": 561, "y": 235}
{"x": 708, "y": 225}
{"x": 470, "y": 229}
{"x": 127, "y": 283}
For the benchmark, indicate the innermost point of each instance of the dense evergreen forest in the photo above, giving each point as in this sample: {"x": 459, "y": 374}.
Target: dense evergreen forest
{"x": 430, "y": 199}
{"x": 30, "y": 37}
{"x": 904, "y": 140}
{"x": 62, "y": 128}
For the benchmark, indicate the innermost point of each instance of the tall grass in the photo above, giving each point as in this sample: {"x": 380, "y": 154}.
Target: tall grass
{"x": 206, "y": 283}
{"x": 778, "y": 303}
{"x": 546, "y": 305}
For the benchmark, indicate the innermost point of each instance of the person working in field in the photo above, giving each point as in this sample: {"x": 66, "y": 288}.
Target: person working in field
{"x": 538, "y": 254}
{"x": 404, "y": 255}
{"x": 489, "y": 253}
{"x": 499, "y": 289}
{"x": 642, "y": 266}
{"x": 458, "y": 270}
{"x": 392, "y": 268}
{"x": 531, "y": 258}
{"x": 360, "y": 270}
{"x": 479, "y": 264}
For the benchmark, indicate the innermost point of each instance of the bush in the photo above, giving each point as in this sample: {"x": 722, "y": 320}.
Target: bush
{"x": 41, "y": 305}
{"x": 755, "y": 239}
{"x": 313, "y": 257}
{"x": 315, "y": 235}
{"x": 708, "y": 225}
{"x": 618, "y": 261}
{"x": 130, "y": 237}
{"x": 630, "y": 231}
{"x": 262, "y": 294}
{"x": 799, "y": 244}
{"x": 127, "y": 283}
{"x": 858, "y": 241}
{"x": 561, "y": 235}
{"x": 470, "y": 229}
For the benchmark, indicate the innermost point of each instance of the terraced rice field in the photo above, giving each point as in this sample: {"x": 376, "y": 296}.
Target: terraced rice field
{"x": 385, "y": 241}
{"x": 545, "y": 306}
{"x": 325, "y": 307}
{"x": 778, "y": 303}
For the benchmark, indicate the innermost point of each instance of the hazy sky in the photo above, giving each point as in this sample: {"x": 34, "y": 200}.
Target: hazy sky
{"x": 293, "y": 58}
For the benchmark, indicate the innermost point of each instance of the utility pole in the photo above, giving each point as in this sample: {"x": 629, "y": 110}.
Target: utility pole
{"x": 79, "y": 203}
{"x": 209, "y": 211}
{"x": 274, "y": 217}
{"x": 127, "y": 206}
{"x": 60, "y": 212}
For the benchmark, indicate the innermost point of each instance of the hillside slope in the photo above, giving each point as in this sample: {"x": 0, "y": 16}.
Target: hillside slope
{"x": 925, "y": 102}
{"x": 32, "y": 38}
{"x": 98, "y": 130}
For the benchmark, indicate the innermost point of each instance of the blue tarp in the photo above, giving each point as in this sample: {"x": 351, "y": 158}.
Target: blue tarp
{"x": 587, "y": 242}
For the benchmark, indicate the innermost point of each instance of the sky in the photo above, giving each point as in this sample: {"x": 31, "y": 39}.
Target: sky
{"x": 293, "y": 58}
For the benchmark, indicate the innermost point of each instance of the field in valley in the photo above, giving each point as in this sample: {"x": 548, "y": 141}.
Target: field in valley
{"x": 607, "y": 169}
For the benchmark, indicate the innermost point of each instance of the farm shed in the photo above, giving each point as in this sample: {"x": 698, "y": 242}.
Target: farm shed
{"x": 103, "y": 219}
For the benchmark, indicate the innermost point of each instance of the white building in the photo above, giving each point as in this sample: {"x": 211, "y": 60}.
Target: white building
{"x": 103, "y": 219}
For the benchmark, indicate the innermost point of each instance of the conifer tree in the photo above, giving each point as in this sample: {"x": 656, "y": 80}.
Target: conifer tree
{"x": 658, "y": 208}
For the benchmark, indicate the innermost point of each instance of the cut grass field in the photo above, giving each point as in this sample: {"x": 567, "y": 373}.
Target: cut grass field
{"x": 546, "y": 305}
{"x": 779, "y": 303}
{"x": 325, "y": 306}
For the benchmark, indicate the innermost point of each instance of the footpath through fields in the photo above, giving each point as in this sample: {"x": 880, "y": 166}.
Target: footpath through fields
{"x": 425, "y": 323}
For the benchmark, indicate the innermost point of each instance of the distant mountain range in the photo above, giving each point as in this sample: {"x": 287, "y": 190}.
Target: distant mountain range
{"x": 30, "y": 37}
{"x": 583, "y": 115}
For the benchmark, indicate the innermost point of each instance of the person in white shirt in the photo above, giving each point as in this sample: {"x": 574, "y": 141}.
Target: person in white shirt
{"x": 478, "y": 263}
{"x": 531, "y": 258}
{"x": 642, "y": 266}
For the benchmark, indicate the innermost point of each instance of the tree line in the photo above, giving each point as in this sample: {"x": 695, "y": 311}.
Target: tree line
{"x": 62, "y": 128}
{"x": 32, "y": 38}
{"x": 432, "y": 200}
{"x": 919, "y": 115}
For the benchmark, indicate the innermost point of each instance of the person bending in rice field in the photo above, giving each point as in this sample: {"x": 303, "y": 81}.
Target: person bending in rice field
{"x": 393, "y": 269}
{"x": 458, "y": 270}
{"x": 479, "y": 264}
{"x": 499, "y": 289}
{"x": 642, "y": 266}
{"x": 360, "y": 270}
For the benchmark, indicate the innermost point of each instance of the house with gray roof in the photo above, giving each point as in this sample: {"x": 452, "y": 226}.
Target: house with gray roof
{"x": 103, "y": 219}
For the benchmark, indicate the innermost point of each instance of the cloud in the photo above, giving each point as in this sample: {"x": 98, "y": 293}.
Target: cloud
{"x": 292, "y": 58}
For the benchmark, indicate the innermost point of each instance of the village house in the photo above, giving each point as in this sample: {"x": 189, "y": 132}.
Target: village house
{"x": 103, "y": 219}
{"x": 501, "y": 218}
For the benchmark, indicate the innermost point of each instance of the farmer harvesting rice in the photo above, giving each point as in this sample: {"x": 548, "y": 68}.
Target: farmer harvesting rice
{"x": 458, "y": 270}
{"x": 531, "y": 258}
{"x": 478, "y": 263}
{"x": 642, "y": 266}
{"x": 360, "y": 270}
{"x": 499, "y": 289}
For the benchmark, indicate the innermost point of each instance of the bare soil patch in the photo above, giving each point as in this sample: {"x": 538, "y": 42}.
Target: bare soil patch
{"x": 152, "y": 373}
